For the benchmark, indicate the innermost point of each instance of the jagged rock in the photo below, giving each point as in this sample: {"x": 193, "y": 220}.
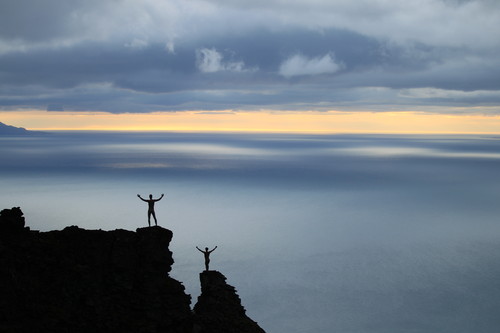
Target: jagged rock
{"x": 11, "y": 220}
{"x": 219, "y": 308}
{"x": 78, "y": 280}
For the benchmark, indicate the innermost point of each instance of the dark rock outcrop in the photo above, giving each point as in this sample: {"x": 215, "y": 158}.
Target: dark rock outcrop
{"x": 219, "y": 308}
{"x": 12, "y": 220}
{"x": 77, "y": 280}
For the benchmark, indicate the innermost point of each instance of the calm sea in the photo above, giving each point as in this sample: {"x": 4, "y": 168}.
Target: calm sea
{"x": 318, "y": 233}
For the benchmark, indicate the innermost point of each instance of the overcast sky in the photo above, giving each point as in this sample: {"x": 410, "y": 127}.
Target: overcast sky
{"x": 156, "y": 55}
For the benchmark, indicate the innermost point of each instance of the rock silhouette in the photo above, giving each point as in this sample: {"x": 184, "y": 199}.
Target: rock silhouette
{"x": 219, "y": 308}
{"x": 12, "y": 220}
{"x": 77, "y": 280}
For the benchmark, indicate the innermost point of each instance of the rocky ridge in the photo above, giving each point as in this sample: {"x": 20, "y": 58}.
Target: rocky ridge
{"x": 219, "y": 308}
{"x": 77, "y": 280}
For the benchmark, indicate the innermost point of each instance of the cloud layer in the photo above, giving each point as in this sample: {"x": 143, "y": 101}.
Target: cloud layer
{"x": 152, "y": 55}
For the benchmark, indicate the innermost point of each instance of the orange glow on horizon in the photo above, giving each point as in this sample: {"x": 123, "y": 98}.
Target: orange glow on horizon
{"x": 258, "y": 121}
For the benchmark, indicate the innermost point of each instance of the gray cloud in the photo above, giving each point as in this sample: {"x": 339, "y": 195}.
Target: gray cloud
{"x": 298, "y": 65}
{"x": 123, "y": 56}
{"x": 211, "y": 61}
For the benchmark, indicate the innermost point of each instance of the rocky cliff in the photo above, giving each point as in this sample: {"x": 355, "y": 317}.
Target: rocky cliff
{"x": 77, "y": 280}
{"x": 219, "y": 308}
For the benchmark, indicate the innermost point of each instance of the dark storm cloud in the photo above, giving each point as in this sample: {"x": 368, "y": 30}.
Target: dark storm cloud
{"x": 218, "y": 55}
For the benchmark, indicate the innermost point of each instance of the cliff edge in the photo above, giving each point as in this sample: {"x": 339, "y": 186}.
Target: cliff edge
{"x": 77, "y": 280}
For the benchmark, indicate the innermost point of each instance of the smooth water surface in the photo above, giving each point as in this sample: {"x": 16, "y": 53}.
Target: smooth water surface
{"x": 318, "y": 233}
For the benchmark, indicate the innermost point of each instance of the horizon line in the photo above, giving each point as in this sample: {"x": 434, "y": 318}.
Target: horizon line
{"x": 306, "y": 122}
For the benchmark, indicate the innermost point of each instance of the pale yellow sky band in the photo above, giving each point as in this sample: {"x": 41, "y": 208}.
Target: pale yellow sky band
{"x": 261, "y": 121}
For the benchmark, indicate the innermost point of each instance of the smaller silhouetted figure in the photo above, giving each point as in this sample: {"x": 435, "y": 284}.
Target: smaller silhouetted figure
{"x": 206, "y": 253}
{"x": 151, "y": 207}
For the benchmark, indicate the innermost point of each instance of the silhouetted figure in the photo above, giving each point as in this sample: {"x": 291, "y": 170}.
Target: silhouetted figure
{"x": 151, "y": 207}
{"x": 206, "y": 253}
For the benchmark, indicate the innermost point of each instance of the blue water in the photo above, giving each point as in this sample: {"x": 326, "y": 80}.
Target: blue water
{"x": 318, "y": 233}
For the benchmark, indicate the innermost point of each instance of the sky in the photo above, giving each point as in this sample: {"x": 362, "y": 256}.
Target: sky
{"x": 419, "y": 213}
{"x": 261, "y": 65}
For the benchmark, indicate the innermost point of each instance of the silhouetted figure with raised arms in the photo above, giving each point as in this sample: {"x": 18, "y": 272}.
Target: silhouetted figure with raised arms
{"x": 206, "y": 253}
{"x": 151, "y": 207}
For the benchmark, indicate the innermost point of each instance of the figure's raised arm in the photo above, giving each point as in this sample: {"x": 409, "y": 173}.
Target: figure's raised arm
{"x": 139, "y": 196}
{"x": 213, "y": 249}
{"x": 200, "y": 249}
{"x": 159, "y": 197}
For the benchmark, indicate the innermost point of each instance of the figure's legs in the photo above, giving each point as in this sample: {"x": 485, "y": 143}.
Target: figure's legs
{"x": 154, "y": 216}
{"x": 149, "y": 218}
{"x": 206, "y": 264}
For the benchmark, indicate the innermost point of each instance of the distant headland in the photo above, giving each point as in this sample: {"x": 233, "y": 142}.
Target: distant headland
{"x": 12, "y": 130}
{"x": 77, "y": 280}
